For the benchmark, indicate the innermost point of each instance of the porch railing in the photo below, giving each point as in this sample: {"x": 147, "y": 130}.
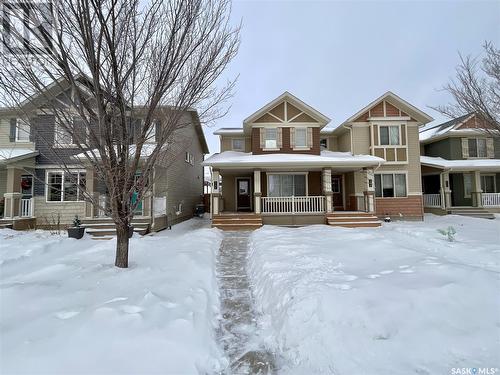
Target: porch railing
{"x": 491, "y": 199}
{"x": 26, "y": 207}
{"x": 432, "y": 200}
{"x": 293, "y": 205}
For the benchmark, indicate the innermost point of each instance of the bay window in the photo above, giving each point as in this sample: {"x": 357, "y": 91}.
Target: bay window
{"x": 389, "y": 185}
{"x": 389, "y": 135}
{"x": 286, "y": 185}
{"x": 65, "y": 186}
{"x": 477, "y": 148}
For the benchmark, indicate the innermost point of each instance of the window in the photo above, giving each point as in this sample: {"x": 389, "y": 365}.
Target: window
{"x": 286, "y": 185}
{"x": 477, "y": 148}
{"x": 238, "y": 144}
{"x": 271, "y": 138}
{"x": 189, "y": 158}
{"x": 22, "y": 131}
{"x": 151, "y": 134}
{"x": 301, "y": 137}
{"x": 390, "y": 185}
{"x": 186, "y": 157}
{"x": 488, "y": 183}
{"x": 62, "y": 136}
{"x": 323, "y": 144}
{"x": 336, "y": 185}
{"x": 467, "y": 184}
{"x": 389, "y": 135}
{"x": 65, "y": 186}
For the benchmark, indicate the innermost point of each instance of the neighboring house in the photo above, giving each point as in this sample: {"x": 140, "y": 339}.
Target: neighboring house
{"x": 461, "y": 166}
{"x": 37, "y": 191}
{"x": 287, "y": 169}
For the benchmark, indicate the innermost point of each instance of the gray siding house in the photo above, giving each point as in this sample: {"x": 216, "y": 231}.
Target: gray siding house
{"x": 35, "y": 191}
{"x": 461, "y": 167}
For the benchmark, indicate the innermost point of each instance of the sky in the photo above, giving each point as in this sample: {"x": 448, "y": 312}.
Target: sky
{"x": 339, "y": 56}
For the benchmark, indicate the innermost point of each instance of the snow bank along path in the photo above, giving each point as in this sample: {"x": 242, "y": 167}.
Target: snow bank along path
{"x": 393, "y": 300}
{"x": 65, "y": 309}
{"x": 239, "y": 322}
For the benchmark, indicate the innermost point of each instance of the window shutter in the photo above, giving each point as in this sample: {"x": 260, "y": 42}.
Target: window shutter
{"x": 279, "y": 134}
{"x": 309, "y": 137}
{"x": 292, "y": 137}
{"x": 12, "y": 134}
{"x": 262, "y": 138}
{"x": 490, "y": 150}
{"x": 375, "y": 136}
{"x": 465, "y": 148}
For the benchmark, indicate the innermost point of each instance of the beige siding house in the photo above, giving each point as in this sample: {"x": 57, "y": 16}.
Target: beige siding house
{"x": 35, "y": 190}
{"x": 285, "y": 167}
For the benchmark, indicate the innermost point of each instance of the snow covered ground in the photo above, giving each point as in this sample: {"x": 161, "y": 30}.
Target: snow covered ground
{"x": 399, "y": 299}
{"x": 65, "y": 309}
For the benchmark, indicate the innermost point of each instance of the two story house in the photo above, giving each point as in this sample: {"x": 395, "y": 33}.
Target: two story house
{"x": 284, "y": 167}
{"x": 461, "y": 167}
{"x": 40, "y": 168}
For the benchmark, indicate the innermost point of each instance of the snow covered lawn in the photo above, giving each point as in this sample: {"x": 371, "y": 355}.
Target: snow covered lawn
{"x": 65, "y": 309}
{"x": 393, "y": 300}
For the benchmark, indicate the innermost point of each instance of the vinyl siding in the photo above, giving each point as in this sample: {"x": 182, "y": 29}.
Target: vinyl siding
{"x": 5, "y": 134}
{"x": 449, "y": 148}
{"x": 344, "y": 142}
{"x": 226, "y": 143}
{"x": 47, "y": 212}
{"x": 361, "y": 140}
{"x": 3, "y": 182}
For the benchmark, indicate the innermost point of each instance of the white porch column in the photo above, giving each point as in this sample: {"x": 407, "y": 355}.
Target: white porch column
{"x": 257, "y": 193}
{"x": 327, "y": 188}
{"x": 369, "y": 189}
{"x": 445, "y": 190}
{"x": 215, "y": 192}
{"x": 477, "y": 192}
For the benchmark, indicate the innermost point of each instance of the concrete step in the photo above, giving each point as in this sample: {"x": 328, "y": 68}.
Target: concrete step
{"x": 231, "y": 226}
{"x": 112, "y": 226}
{"x": 6, "y": 226}
{"x": 357, "y": 224}
{"x": 349, "y": 213}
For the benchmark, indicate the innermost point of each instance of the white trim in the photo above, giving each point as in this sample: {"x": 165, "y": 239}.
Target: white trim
{"x": 393, "y": 173}
{"x": 63, "y": 172}
{"x": 288, "y": 173}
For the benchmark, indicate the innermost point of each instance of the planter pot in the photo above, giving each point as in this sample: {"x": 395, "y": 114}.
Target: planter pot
{"x": 130, "y": 231}
{"x": 76, "y": 232}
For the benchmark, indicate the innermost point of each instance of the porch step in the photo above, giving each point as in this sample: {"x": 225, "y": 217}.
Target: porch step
{"x": 353, "y": 220}
{"x": 104, "y": 227}
{"x": 472, "y": 212}
{"x": 237, "y": 221}
{"x": 6, "y": 226}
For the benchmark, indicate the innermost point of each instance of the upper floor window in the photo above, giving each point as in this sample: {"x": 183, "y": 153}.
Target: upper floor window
{"x": 22, "y": 131}
{"x": 301, "y": 137}
{"x": 189, "y": 158}
{"x": 62, "y": 135}
{"x": 323, "y": 144}
{"x": 389, "y": 135}
{"x": 271, "y": 138}
{"x": 390, "y": 185}
{"x": 151, "y": 134}
{"x": 477, "y": 148}
{"x": 238, "y": 144}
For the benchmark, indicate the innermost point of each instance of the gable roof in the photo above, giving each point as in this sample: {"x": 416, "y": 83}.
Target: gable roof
{"x": 397, "y": 101}
{"x": 453, "y": 126}
{"x": 286, "y": 96}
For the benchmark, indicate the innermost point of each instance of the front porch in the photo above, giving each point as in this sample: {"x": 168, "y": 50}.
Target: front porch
{"x": 460, "y": 192}
{"x": 294, "y": 197}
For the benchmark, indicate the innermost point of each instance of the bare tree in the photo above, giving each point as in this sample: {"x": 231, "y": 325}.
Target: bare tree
{"x": 476, "y": 87}
{"x": 126, "y": 70}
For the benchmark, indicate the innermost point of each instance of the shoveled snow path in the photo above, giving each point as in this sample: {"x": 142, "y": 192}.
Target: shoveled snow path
{"x": 238, "y": 328}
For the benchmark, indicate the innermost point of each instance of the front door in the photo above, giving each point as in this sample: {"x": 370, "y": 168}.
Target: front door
{"x": 243, "y": 194}
{"x": 338, "y": 202}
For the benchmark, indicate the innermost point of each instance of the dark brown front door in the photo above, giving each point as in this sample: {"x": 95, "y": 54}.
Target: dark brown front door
{"x": 243, "y": 194}
{"x": 337, "y": 192}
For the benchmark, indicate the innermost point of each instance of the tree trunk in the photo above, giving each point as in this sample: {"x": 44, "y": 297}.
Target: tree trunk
{"x": 121, "y": 245}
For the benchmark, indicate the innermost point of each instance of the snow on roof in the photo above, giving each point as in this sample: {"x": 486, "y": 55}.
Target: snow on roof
{"x": 469, "y": 164}
{"x": 223, "y": 131}
{"x": 6, "y": 154}
{"x": 327, "y": 158}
